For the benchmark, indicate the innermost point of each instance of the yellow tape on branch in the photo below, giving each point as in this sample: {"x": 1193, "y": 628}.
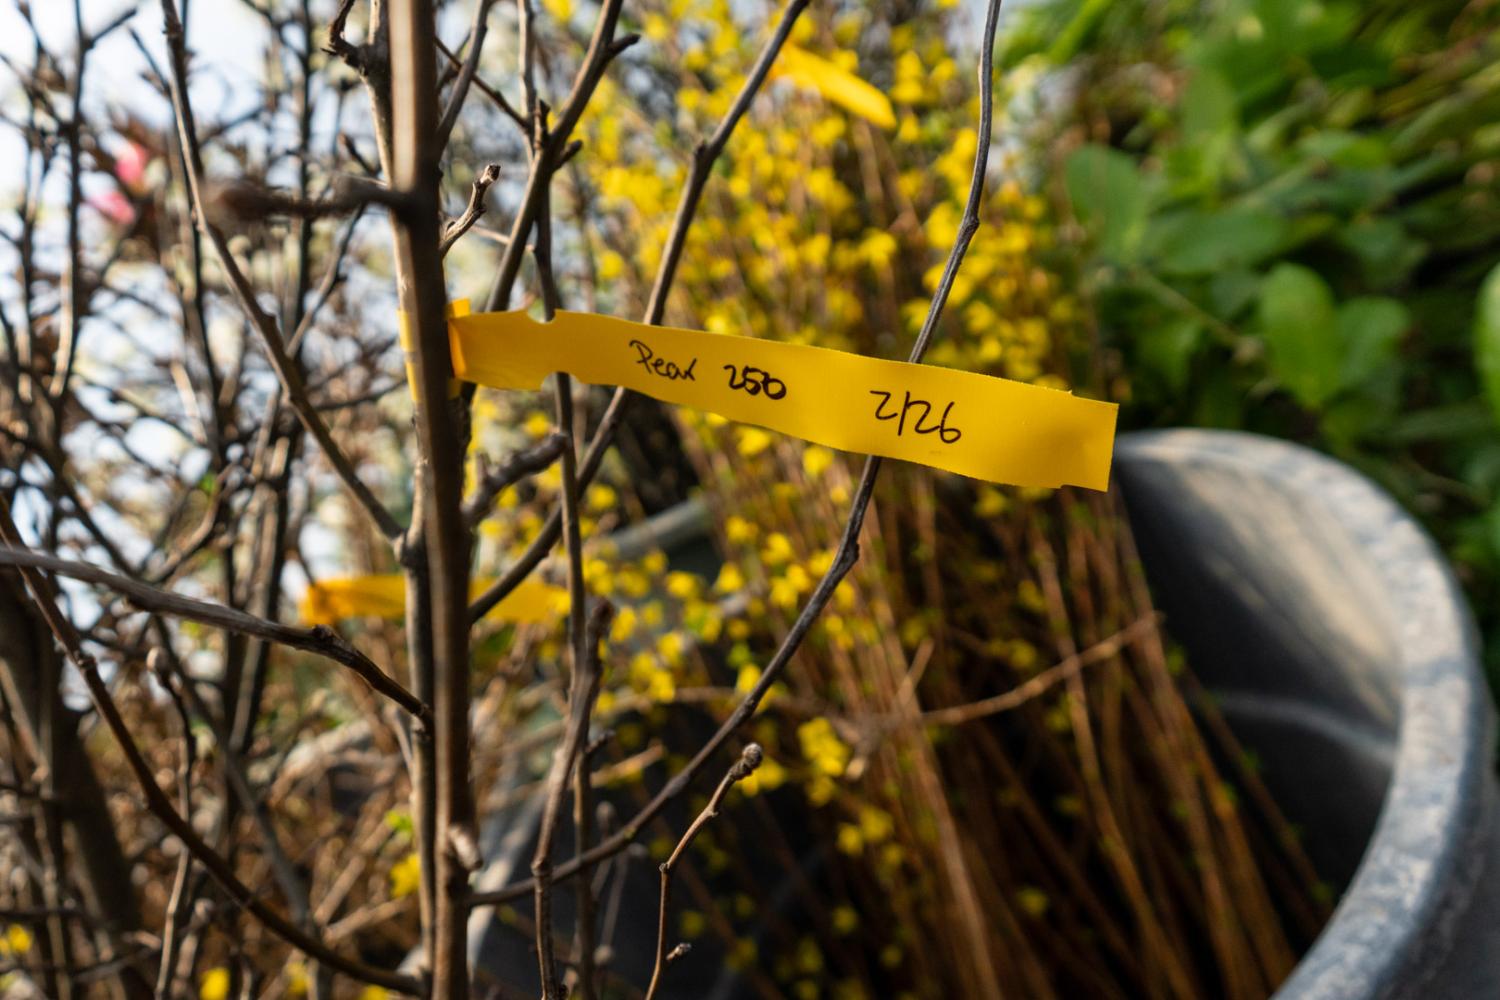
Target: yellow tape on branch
{"x": 383, "y": 595}
{"x": 837, "y": 85}
{"x": 409, "y": 350}
{"x": 976, "y": 425}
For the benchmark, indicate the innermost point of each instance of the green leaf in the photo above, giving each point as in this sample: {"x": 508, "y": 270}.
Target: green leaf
{"x": 1455, "y": 421}
{"x": 1487, "y": 339}
{"x": 1208, "y": 105}
{"x": 1108, "y": 198}
{"x": 1194, "y": 243}
{"x": 1349, "y": 150}
{"x": 1369, "y": 330}
{"x": 1167, "y": 350}
{"x": 1233, "y": 290}
{"x": 1385, "y": 251}
{"x": 1300, "y": 326}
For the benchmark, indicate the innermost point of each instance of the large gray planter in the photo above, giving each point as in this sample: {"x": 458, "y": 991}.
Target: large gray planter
{"x": 1332, "y": 634}
{"x": 1340, "y": 648}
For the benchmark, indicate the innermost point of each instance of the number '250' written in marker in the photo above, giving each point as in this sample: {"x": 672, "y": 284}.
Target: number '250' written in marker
{"x": 669, "y": 370}
{"x": 886, "y": 410}
{"x": 755, "y": 381}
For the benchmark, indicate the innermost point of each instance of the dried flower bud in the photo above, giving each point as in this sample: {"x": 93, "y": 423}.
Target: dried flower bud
{"x": 749, "y": 760}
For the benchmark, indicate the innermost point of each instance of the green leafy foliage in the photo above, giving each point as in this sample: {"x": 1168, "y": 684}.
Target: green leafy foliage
{"x": 1289, "y": 210}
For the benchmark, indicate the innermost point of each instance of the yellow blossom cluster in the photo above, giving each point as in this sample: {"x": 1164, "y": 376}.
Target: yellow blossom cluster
{"x": 816, "y": 226}
{"x": 814, "y": 215}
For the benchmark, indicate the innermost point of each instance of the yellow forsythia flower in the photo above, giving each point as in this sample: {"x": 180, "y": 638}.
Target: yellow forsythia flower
{"x": 783, "y": 593}
{"x": 406, "y": 876}
{"x": 822, "y": 747}
{"x": 778, "y": 550}
{"x": 17, "y": 940}
{"x": 693, "y": 923}
{"x": 537, "y": 425}
{"x": 738, "y": 530}
{"x": 670, "y": 646}
{"x": 730, "y": 579}
{"x": 214, "y": 985}
{"x": 749, "y": 676}
{"x": 1032, "y": 901}
{"x": 815, "y": 460}
{"x": 624, "y": 624}
{"x": 753, "y": 441}
{"x": 682, "y": 585}
{"x": 601, "y": 497}
{"x": 662, "y": 688}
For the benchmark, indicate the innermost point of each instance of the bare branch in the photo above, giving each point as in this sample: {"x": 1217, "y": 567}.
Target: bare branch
{"x": 353, "y": 55}
{"x": 238, "y": 202}
{"x": 517, "y": 466}
{"x": 319, "y": 639}
{"x": 741, "y": 769}
{"x": 457, "y": 227}
{"x": 545, "y": 156}
{"x": 581, "y": 694}
{"x": 286, "y": 369}
{"x": 156, "y": 800}
{"x": 441, "y": 577}
{"x": 496, "y": 98}
{"x": 466, "y": 73}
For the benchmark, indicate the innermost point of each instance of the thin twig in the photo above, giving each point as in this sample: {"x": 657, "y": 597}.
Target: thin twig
{"x": 581, "y": 695}
{"x": 319, "y": 639}
{"x": 741, "y": 769}
{"x": 171, "y": 936}
{"x": 353, "y": 55}
{"x": 517, "y": 466}
{"x": 603, "y": 48}
{"x": 241, "y": 202}
{"x": 497, "y": 98}
{"x": 466, "y": 73}
{"x": 956, "y": 715}
{"x": 456, "y": 228}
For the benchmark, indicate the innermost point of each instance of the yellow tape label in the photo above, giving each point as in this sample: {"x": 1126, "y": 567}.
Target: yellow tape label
{"x": 835, "y": 83}
{"x": 383, "y": 595}
{"x": 975, "y": 425}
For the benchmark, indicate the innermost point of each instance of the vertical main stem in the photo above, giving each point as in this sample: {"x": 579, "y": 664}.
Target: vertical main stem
{"x": 444, "y": 553}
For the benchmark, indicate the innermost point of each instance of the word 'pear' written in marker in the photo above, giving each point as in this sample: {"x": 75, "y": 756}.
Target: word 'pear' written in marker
{"x": 668, "y": 370}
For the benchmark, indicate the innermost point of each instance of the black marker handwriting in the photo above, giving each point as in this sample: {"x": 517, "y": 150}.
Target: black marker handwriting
{"x": 948, "y": 435}
{"x": 755, "y": 380}
{"x": 648, "y": 360}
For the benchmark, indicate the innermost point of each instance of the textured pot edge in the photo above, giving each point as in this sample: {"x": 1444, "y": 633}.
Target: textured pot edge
{"x": 1420, "y": 868}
